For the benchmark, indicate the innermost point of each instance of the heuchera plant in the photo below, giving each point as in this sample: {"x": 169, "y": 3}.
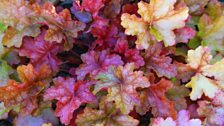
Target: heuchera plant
{"x": 111, "y": 63}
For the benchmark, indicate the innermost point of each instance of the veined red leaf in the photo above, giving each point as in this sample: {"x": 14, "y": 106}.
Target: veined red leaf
{"x": 41, "y": 52}
{"x": 159, "y": 62}
{"x": 95, "y": 61}
{"x": 161, "y": 105}
{"x": 70, "y": 96}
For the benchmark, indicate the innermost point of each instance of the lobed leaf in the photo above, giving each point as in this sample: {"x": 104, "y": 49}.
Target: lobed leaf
{"x": 121, "y": 83}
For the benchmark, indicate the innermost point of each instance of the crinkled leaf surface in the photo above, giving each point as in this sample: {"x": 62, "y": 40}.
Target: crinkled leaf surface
{"x": 94, "y": 62}
{"x": 216, "y": 70}
{"x": 17, "y": 14}
{"x": 199, "y": 60}
{"x": 121, "y": 83}
{"x": 5, "y": 71}
{"x": 70, "y": 96}
{"x": 158, "y": 17}
{"x": 107, "y": 115}
{"x": 130, "y": 55}
{"x": 25, "y": 94}
{"x": 214, "y": 114}
{"x": 40, "y": 51}
{"x": 47, "y": 116}
{"x": 182, "y": 120}
{"x": 159, "y": 62}
{"x": 61, "y": 26}
{"x": 160, "y": 104}
{"x": 200, "y": 85}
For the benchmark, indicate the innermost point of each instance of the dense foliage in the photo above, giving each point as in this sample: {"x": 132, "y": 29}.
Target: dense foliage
{"x": 112, "y": 62}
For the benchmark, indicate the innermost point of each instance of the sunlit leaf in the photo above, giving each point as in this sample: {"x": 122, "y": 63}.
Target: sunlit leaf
{"x": 158, "y": 18}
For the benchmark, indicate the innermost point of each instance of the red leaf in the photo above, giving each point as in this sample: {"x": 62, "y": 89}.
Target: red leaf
{"x": 92, "y": 6}
{"x": 161, "y": 106}
{"x": 101, "y": 28}
{"x": 25, "y": 94}
{"x": 60, "y": 26}
{"x": 99, "y": 23}
{"x": 184, "y": 71}
{"x": 106, "y": 36}
{"x": 130, "y": 55}
{"x": 133, "y": 55}
{"x": 130, "y": 8}
{"x": 159, "y": 62}
{"x": 94, "y": 62}
{"x": 184, "y": 34}
{"x": 121, "y": 45}
{"x": 40, "y": 51}
{"x": 70, "y": 96}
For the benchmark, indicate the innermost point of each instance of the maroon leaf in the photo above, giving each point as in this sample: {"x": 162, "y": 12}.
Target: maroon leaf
{"x": 95, "y": 62}
{"x": 159, "y": 62}
{"x": 40, "y": 51}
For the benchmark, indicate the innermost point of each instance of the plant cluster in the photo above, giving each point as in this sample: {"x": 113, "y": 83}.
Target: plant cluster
{"x": 112, "y": 62}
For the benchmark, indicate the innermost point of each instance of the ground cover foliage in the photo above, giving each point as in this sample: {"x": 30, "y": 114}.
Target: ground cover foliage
{"x": 111, "y": 63}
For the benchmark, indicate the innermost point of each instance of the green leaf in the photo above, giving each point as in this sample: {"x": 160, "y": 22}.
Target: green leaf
{"x": 194, "y": 43}
{"x": 5, "y": 71}
{"x": 3, "y": 27}
{"x": 156, "y": 33}
{"x": 212, "y": 33}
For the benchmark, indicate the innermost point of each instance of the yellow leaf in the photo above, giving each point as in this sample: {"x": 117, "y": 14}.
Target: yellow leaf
{"x": 122, "y": 83}
{"x": 167, "y": 24}
{"x": 216, "y": 70}
{"x": 200, "y": 85}
{"x": 133, "y": 24}
{"x": 157, "y": 8}
{"x": 136, "y": 26}
{"x": 160, "y": 15}
{"x": 213, "y": 35}
{"x": 47, "y": 124}
{"x": 3, "y": 50}
{"x": 199, "y": 57}
{"x": 14, "y": 37}
{"x": 18, "y": 16}
{"x": 209, "y": 78}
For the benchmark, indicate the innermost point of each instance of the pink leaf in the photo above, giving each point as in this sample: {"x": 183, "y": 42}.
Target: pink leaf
{"x": 133, "y": 55}
{"x": 161, "y": 105}
{"x": 184, "y": 34}
{"x": 130, "y": 55}
{"x": 94, "y": 62}
{"x": 70, "y": 96}
{"x": 121, "y": 45}
{"x": 161, "y": 122}
{"x": 183, "y": 120}
{"x": 40, "y": 51}
{"x": 92, "y": 6}
{"x": 159, "y": 62}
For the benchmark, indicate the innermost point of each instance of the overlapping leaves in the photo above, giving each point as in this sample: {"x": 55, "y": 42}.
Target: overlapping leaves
{"x": 70, "y": 96}
{"x": 112, "y": 62}
{"x": 25, "y": 93}
{"x": 201, "y": 83}
{"x": 122, "y": 83}
{"x": 159, "y": 18}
